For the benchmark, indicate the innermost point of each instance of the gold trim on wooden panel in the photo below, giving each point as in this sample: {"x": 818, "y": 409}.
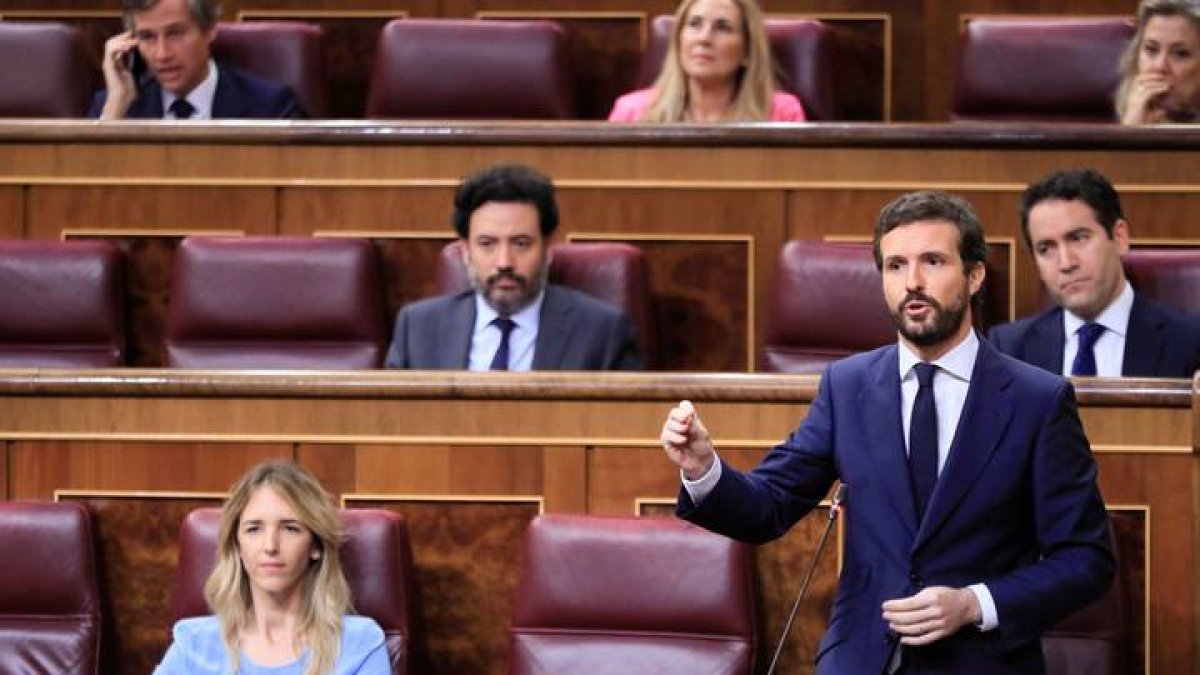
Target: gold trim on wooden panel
{"x": 166, "y": 232}
{"x": 1141, "y": 449}
{"x": 386, "y": 234}
{"x": 1171, "y": 242}
{"x": 965, "y": 18}
{"x": 138, "y": 494}
{"x": 639, "y": 502}
{"x": 641, "y": 17}
{"x": 748, "y": 239}
{"x": 283, "y": 14}
{"x": 539, "y": 500}
{"x": 548, "y": 441}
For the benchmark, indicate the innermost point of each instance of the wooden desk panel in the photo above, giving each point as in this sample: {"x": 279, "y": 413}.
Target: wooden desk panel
{"x": 586, "y": 443}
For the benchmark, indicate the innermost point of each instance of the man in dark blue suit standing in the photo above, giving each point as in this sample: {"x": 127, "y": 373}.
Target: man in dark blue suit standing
{"x": 1101, "y": 327}
{"x": 173, "y": 39}
{"x": 974, "y": 520}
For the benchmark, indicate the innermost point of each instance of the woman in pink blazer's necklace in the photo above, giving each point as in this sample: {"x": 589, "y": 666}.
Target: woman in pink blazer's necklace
{"x": 717, "y": 69}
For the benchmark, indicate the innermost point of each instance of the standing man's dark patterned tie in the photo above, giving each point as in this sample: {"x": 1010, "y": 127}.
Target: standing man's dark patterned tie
{"x": 923, "y": 439}
{"x": 500, "y": 360}
{"x": 1085, "y": 358}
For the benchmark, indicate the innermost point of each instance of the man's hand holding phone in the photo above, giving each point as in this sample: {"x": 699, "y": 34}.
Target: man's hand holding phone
{"x": 120, "y": 80}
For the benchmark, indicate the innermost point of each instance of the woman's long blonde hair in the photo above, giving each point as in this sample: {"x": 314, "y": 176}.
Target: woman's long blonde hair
{"x": 755, "y": 80}
{"x": 326, "y": 595}
{"x": 1189, "y": 9}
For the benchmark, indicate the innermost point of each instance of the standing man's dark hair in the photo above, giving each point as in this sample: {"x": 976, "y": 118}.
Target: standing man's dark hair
{"x": 931, "y": 205}
{"x": 204, "y": 12}
{"x": 506, "y": 184}
{"x": 1085, "y": 185}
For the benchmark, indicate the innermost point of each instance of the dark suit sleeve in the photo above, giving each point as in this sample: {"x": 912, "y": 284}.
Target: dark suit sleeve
{"x": 397, "y": 354}
{"x": 98, "y": 101}
{"x": 1071, "y": 525}
{"x": 626, "y": 355}
{"x": 286, "y": 106}
{"x": 790, "y": 481}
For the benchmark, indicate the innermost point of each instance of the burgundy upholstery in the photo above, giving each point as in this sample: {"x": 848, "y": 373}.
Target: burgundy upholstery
{"x": 287, "y": 52}
{"x": 612, "y": 272}
{"x": 631, "y": 596}
{"x": 48, "y": 71}
{"x": 1170, "y": 276}
{"x": 1047, "y": 69}
{"x": 826, "y": 303}
{"x": 463, "y": 69}
{"x": 49, "y": 602}
{"x": 835, "y": 76}
{"x": 62, "y": 304}
{"x": 275, "y": 302}
{"x": 1094, "y": 640}
{"x": 377, "y": 559}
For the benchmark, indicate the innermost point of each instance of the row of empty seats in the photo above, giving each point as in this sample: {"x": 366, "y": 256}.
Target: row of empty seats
{"x": 1063, "y": 69}
{"x": 312, "y": 302}
{"x": 595, "y": 594}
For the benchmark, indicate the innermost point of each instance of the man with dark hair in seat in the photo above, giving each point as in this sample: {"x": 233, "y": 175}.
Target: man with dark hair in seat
{"x": 173, "y": 39}
{"x": 511, "y": 319}
{"x": 1101, "y": 327}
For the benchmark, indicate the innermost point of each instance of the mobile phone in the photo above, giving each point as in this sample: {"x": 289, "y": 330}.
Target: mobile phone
{"x": 136, "y": 65}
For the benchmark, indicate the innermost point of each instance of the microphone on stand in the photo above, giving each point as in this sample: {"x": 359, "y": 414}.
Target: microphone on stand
{"x": 834, "y": 510}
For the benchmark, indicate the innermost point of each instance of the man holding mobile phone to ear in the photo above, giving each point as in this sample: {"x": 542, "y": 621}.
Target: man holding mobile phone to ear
{"x": 173, "y": 39}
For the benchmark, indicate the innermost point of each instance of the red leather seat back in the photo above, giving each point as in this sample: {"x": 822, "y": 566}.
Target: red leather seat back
{"x": 613, "y": 272}
{"x": 47, "y": 71}
{"x": 275, "y": 302}
{"x": 465, "y": 69}
{"x": 602, "y": 594}
{"x": 1047, "y": 69}
{"x": 1168, "y": 275}
{"x": 287, "y": 52}
{"x": 826, "y": 303}
{"x": 377, "y": 558}
{"x": 834, "y": 77}
{"x": 62, "y": 304}
{"x": 49, "y": 602}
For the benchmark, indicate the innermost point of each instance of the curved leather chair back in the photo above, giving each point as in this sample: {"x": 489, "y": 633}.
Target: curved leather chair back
{"x": 469, "y": 69}
{"x": 275, "y": 302}
{"x": 834, "y": 79}
{"x": 47, "y": 71}
{"x": 603, "y": 594}
{"x": 287, "y": 52}
{"x": 62, "y": 304}
{"x": 49, "y": 602}
{"x": 1167, "y": 275}
{"x": 613, "y": 272}
{"x": 1044, "y": 69}
{"x": 376, "y": 556}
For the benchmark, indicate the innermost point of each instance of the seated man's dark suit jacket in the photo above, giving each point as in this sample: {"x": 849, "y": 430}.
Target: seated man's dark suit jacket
{"x": 1160, "y": 342}
{"x": 239, "y": 95}
{"x": 1015, "y": 507}
{"x": 577, "y": 332}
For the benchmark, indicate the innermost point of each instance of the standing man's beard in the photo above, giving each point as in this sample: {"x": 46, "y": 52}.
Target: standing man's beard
{"x": 506, "y": 303}
{"x": 944, "y": 321}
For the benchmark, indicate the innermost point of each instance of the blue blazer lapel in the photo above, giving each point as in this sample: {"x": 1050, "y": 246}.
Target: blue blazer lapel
{"x": 879, "y": 404}
{"x": 554, "y": 329}
{"x": 1046, "y": 342}
{"x": 229, "y": 99}
{"x": 455, "y": 329}
{"x": 1144, "y": 339}
{"x": 985, "y": 416}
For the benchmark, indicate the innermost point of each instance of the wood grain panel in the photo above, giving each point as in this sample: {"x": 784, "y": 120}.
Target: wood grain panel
{"x": 54, "y": 208}
{"x": 467, "y": 557}
{"x": 12, "y": 212}
{"x": 138, "y": 546}
{"x": 305, "y": 210}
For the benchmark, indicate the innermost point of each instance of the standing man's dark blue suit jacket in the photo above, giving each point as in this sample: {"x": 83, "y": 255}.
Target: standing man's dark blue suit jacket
{"x": 239, "y": 95}
{"x": 1160, "y": 342}
{"x": 1015, "y": 507}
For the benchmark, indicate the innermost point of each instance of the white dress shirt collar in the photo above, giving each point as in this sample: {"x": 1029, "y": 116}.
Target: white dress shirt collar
{"x": 201, "y": 97}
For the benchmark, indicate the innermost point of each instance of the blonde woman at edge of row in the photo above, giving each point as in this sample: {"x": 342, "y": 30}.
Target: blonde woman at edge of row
{"x": 717, "y": 69}
{"x": 1161, "y": 66}
{"x": 280, "y": 601}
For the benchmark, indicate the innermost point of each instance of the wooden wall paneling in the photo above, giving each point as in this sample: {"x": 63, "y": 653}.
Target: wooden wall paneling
{"x": 5, "y": 461}
{"x": 349, "y": 43}
{"x": 466, "y": 551}
{"x": 12, "y": 212}
{"x": 138, "y": 546}
{"x": 1131, "y": 536}
{"x": 381, "y": 206}
{"x": 55, "y": 208}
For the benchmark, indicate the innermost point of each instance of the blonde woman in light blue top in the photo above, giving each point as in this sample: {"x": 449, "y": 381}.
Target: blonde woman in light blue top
{"x": 280, "y": 602}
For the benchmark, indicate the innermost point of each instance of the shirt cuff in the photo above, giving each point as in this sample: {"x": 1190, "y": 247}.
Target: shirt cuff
{"x": 987, "y": 608}
{"x": 700, "y": 488}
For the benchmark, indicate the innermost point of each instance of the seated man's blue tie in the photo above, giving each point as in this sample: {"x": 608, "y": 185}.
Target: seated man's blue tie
{"x": 182, "y": 109}
{"x": 1085, "y": 358}
{"x": 500, "y": 360}
{"x": 923, "y": 439}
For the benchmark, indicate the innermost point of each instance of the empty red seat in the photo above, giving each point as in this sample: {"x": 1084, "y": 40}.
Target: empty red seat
{"x": 1170, "y": 276}
{"x": 62, "y": 304}
{"x": 465, "y": 69}
{"x": 47, "y": 71}
{"x": 287, "y": 52}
